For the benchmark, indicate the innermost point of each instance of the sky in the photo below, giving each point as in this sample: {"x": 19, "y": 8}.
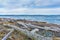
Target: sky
{"x": 29, "y": 7}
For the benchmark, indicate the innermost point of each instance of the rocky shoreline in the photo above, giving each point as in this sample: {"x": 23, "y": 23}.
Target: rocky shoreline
{"x": 25, "y": 29}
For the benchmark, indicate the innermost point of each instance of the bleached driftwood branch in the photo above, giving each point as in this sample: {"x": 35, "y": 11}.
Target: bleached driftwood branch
{"x": 30, "y": 33}
{"x": 6, "y": 36}
{"x": 46, "y": 28}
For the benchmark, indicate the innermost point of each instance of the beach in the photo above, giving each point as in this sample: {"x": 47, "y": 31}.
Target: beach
{"x": 18, "y": 29}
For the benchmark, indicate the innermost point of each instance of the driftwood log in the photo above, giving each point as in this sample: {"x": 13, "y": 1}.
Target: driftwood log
{"x": 30, "y": 34}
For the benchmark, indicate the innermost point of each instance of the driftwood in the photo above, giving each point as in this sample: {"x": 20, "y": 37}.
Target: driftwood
{"x": 30, "y": 34}
{"x": 6, "y": 36}
{"x": 46, "y": 28}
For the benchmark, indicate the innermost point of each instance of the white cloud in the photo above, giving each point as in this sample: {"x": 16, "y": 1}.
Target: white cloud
{"x": 28, "y": 3}
{"x": 26, "y": 11}
{"x": 19, "y": 7}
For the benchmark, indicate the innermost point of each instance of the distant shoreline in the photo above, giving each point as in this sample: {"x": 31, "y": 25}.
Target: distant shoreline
{"x": 38, "y": 23}
{"x": 55, "y": 19}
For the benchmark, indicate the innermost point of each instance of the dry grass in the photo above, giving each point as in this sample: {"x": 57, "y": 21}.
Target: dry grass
{"x": 16, "y": 35}
{"x": 56, "y": 38}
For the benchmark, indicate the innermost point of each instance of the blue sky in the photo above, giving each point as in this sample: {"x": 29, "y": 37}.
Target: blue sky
{"x": 29, "y": 7}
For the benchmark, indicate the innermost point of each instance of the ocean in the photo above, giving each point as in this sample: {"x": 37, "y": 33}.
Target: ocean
{"x": 44, "y": 18}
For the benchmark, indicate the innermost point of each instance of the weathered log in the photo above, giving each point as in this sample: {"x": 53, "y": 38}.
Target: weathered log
{"x": 46, "y": 28}
{"x": 30, "y": 34}
{"x": 6, "y": 36}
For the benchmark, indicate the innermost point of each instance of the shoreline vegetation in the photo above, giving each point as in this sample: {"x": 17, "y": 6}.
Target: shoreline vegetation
{"x": 18, "y": 29}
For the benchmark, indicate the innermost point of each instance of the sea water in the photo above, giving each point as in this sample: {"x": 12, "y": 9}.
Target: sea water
{"x": 44, "y": 18}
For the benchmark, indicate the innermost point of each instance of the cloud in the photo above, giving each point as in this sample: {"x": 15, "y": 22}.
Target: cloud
{"x": 29, "y": 7}
{"x": 29, "y": 3}
{"x": 15, "y": 3}
{"x": 35, "y": 11}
